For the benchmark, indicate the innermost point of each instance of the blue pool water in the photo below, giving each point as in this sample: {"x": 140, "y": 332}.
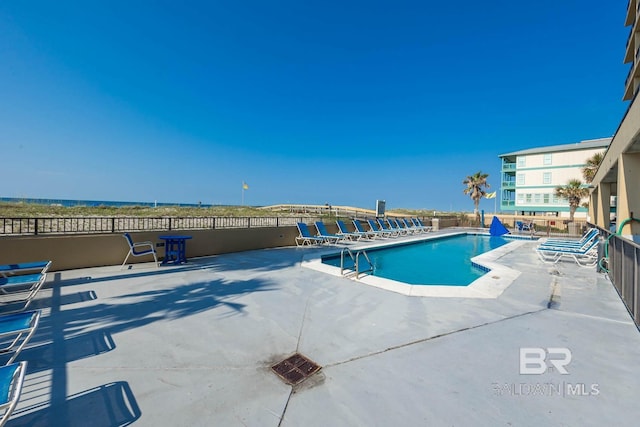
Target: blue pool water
{"x": 441, "y": 261}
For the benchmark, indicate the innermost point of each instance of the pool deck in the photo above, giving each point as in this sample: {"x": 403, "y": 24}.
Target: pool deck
{"x": 193, "y": 345}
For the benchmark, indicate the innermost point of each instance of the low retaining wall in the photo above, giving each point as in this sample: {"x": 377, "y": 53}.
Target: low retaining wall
{"x": 95, "y": 250}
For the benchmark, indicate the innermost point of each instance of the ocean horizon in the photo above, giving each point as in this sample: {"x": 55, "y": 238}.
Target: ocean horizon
{"x": 72, "y": 203}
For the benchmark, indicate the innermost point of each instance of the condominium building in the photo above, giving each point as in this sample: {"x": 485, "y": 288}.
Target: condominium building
{"x": 619, "y": 172}
{"x": 530, "y": 177}
{"x": 632, "y": 53}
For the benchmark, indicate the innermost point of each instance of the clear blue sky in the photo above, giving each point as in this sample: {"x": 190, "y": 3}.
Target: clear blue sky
{"x": 342, "y": 102}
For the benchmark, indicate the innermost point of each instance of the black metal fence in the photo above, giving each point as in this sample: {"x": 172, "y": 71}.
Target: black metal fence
{"x": 623, "y": 266}
{"x": 99, "y": 225}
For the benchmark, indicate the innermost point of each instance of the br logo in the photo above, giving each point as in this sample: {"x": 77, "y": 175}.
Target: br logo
{"x": 538, "y": 360}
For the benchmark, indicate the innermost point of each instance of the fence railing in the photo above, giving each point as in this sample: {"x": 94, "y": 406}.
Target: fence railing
{"x": 97, "y": 225}
{"x": 624, "y": 271}
{"x": 100, "y": 225}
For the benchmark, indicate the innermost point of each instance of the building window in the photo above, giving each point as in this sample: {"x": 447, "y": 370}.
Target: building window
{"x": 546, "y": 177}
{"x": 545, "y": 199}
{"x": 520, "y": 179}
{"x": 527, "y": 197}
{"x": 522, "y": 161}
{"x": 546, "y": 159}
{"x": 536, "y": 198}
{"x": 520, "y": 199}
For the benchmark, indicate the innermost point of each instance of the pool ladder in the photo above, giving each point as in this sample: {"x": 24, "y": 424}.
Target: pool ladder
{"x": 356, "y": 261}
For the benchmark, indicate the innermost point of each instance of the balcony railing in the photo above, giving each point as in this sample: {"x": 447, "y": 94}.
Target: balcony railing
{"x": 508, "y": 166}
{"x": 508, "y": 184}
{"x": 624, "y": 271}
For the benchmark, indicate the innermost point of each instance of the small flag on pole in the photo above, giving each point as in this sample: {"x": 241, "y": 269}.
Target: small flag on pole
{"x": 245, "y": 186}
{"x": 490, "y": 195}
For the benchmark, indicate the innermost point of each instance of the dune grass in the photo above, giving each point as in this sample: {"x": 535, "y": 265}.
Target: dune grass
{"x": 34, "y": 210}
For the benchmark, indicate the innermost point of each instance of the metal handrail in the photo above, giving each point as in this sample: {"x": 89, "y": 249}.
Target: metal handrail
{"x": 362, "y": 252}
{"x": 356, "y": 262}
{"x": 342, "y": 252}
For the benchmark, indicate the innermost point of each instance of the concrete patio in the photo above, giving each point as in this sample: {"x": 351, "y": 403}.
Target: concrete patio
{"x": 193, "y": 345}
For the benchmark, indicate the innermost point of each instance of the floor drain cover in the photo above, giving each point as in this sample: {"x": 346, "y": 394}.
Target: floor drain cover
{"x": 295, "y": 369}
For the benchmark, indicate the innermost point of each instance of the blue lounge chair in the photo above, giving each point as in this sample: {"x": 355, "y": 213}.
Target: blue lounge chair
{"x": 384, "y": 227}
{"x": 402, "y": 226}
{"x": 305, "y": 237}
{"x": 351, "y": 235}
{"x": 139, "y": 249}
{"x": 585, "y": 239}
{"x": 11, "y": 380}
{"x": 324, "y": 234}
{"x": 6, "y": 283}
{"x": 585, "y": 257}
{"x": 16, "y": 330}
{"x": 24, "y": 268}
{"x": 393, "y": 225}
{"x": 411, "y": 226}
{"x": 418, "y": 223}
{"x": 373, "y": 225}
{"x": 369, "y": 234}
{"x": 20, "y": 289}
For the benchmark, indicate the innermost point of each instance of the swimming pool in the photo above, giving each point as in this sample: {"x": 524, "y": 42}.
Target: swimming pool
{"x": 498, "y": 276}
{"x": 443, "y": 261}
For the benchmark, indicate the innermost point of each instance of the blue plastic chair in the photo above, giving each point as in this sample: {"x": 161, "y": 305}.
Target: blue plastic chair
{"x": 139, "y": 249}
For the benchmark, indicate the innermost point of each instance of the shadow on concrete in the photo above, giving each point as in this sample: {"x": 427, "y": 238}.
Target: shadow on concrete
{"x": 108, "y": 405}
{"x": 79, "y": 326}
{"x": 268, "y": 260}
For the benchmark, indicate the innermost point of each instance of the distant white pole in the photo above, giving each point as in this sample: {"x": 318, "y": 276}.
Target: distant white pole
{"x": 242, "y": 203}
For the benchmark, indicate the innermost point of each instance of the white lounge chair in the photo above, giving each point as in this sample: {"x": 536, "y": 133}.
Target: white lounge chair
{"x": 585, "y": 257}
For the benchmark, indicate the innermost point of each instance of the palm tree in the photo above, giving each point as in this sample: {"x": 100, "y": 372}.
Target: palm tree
{"x": 475, "y": 184}
{"x": 574, "y": 192}
{"x": 593, "y": 162}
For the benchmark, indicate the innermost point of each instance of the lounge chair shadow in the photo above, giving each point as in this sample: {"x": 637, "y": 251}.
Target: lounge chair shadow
{"x": 108, "y": 405}
{"x": 44, "y": 355}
